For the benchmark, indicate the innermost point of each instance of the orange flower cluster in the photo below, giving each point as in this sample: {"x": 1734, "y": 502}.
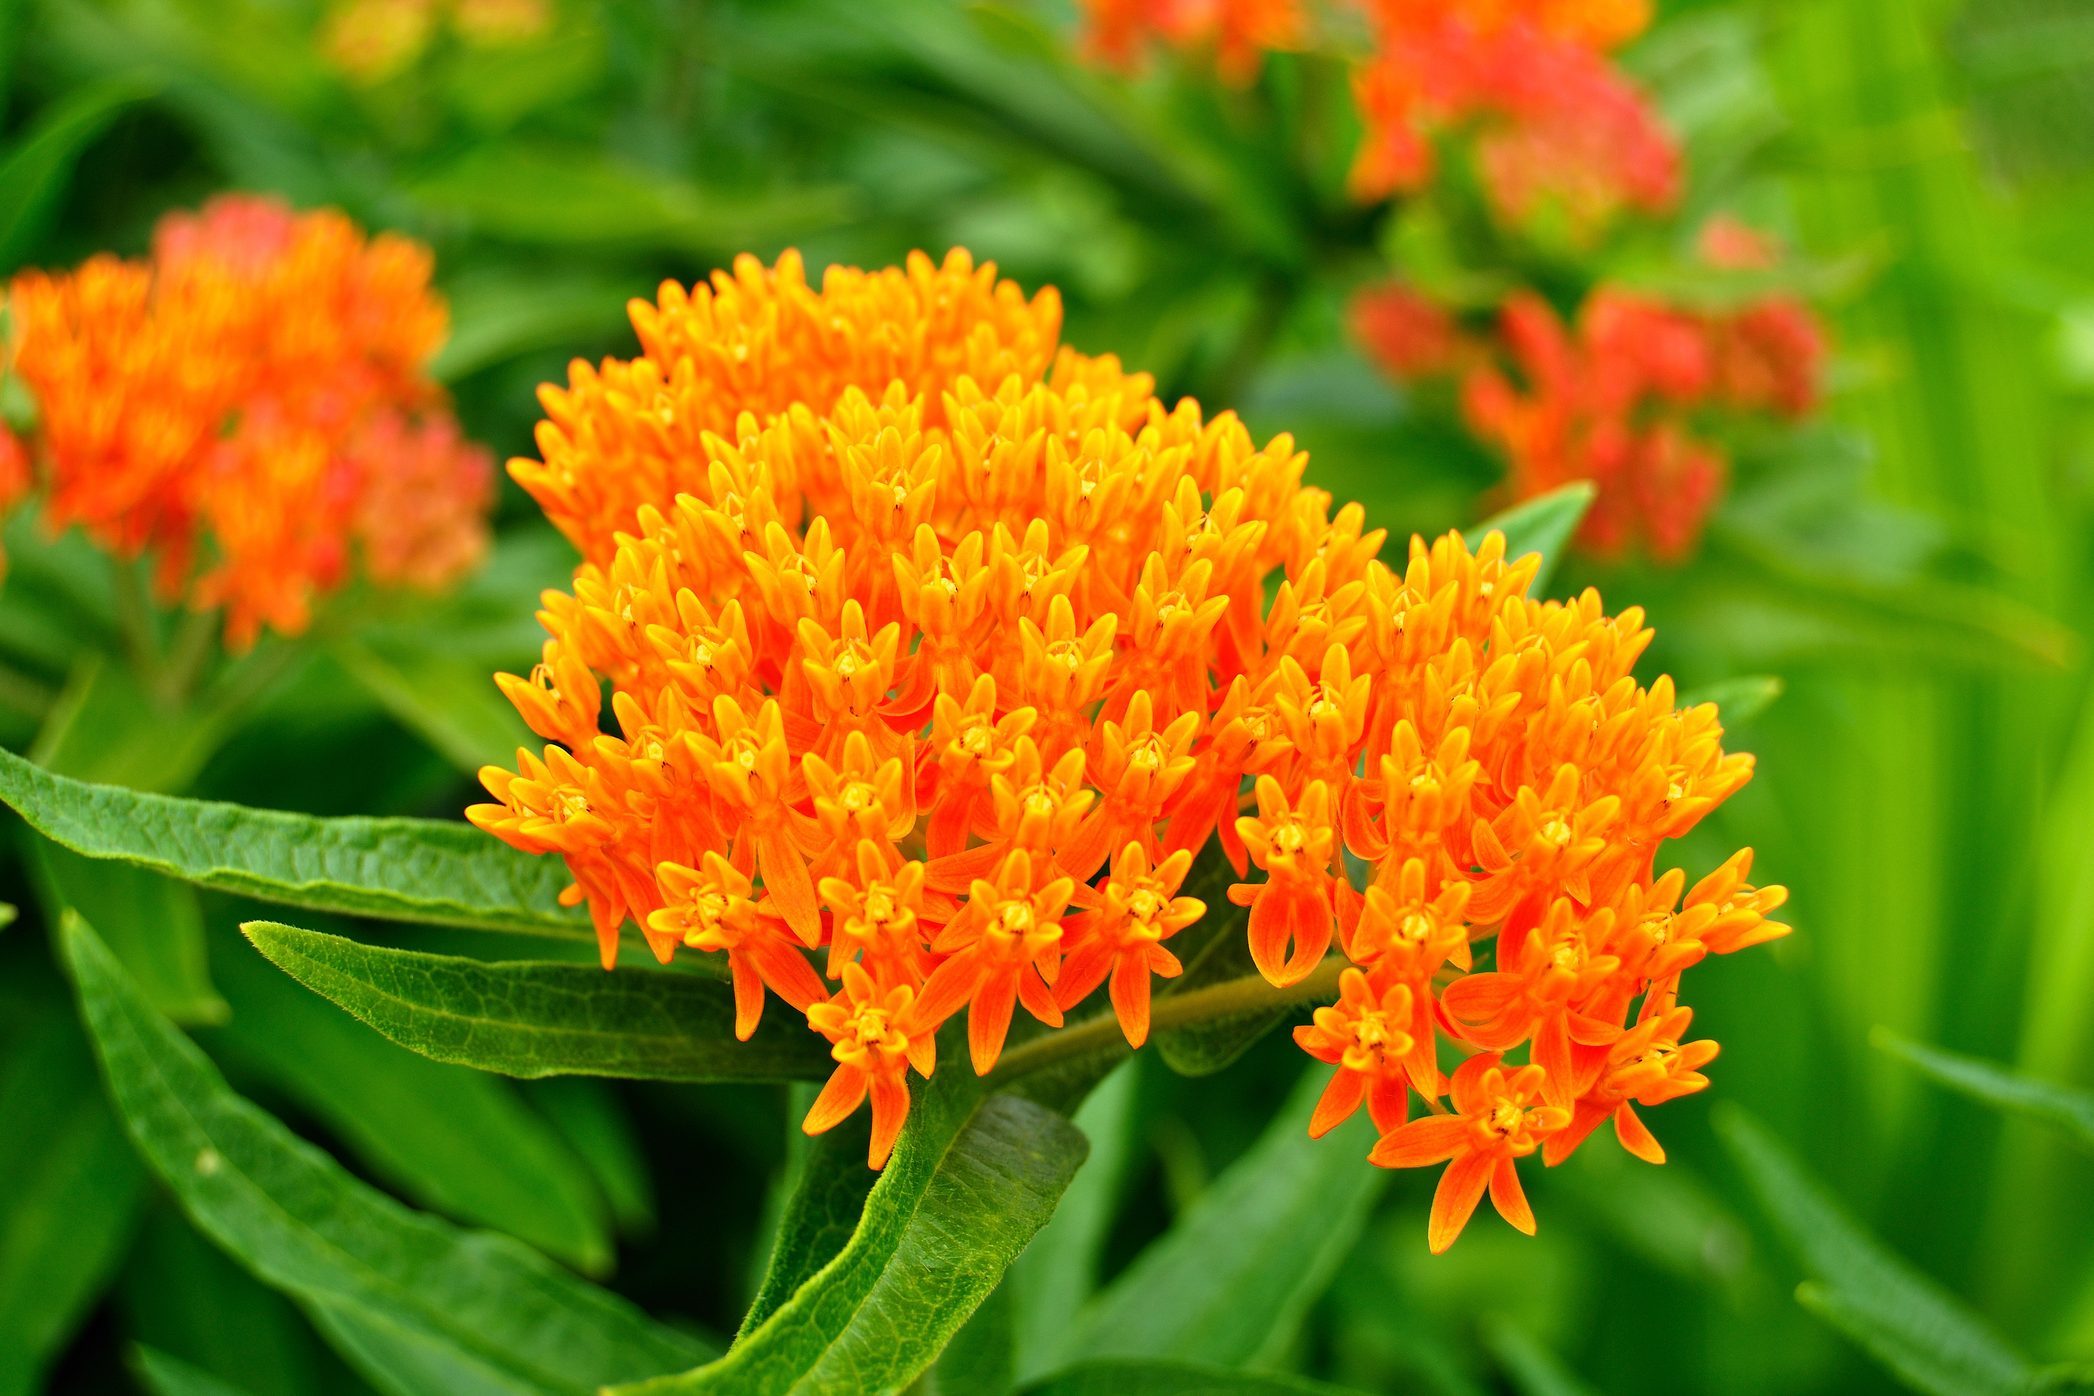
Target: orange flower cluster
{"x": 251, "y": 406}
{"x": 371, "y": 40}
{"x": 1556, "y": 126}
{"x": 940, "y": 658}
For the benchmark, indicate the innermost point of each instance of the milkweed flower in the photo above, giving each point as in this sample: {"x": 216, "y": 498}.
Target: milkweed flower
{"x": 938, "y": 654}
{"x": 250, "y": 406}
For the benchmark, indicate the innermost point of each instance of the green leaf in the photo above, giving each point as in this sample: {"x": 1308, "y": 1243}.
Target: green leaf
{"x": 1059, "y": 1270}
{"x": 1223, "y": 955}
{"x": 1531, "y": 1368}
{"x": 73, "y": 1192}
{"x": 7, "y": 915}
{"x": 300, "y": 1223}
{"x": 1928, "y": 1339}
{"x": 1173, "y": 1379}
{"x": 454, "y": 706}
{"x": 1230, "y": 1281}
{"x": 594, "y": 1121}
{"x": 499, "y": 316}
{"x": 1740, "y": 700}
{"x": 394, "y": 869}
{"x": 968, "y": 1185}
{"x": 2061, "y": 1107}
{"x": 536, "y": 1018}
{"x": 170, "y": 1376}
{"x": 825, "y": 1191}
{"x": 1544, "y": 524}
{"x": 156, "y": 927}
{"x": 450, "y": 1140}
{"x": 33, "y": 174}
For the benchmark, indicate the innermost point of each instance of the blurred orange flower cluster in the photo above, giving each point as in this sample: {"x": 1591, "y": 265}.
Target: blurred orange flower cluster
{"x": 251, "y": 406}
{"x": 941, "y": 653}
{"x": 1556, "y": 127}
{"x": 1618, "y": 398}
{"x": 372, "y": 40}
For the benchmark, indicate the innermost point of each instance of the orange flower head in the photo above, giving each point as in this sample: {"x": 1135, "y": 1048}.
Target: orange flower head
{"x": 962, "y": 651}
{"x": 251, "y": 406}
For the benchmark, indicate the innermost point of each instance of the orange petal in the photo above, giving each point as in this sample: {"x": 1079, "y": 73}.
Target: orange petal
{"x": 1130, "y": 997}
{"x": 890, "y": 1099}
{"x": 1337, "y": 1103}
{"x": 1434, "y": 1139}
{"x": 838, "y": 1099}
{"x": 1454, "y": 1201}
{"x": 1635, "y": 1135}
{"x": 1509, "y": 1197}
{"x": 790, "y": 886}
{"x": 989, "y": 1020}
{"x": 748, "y": 995}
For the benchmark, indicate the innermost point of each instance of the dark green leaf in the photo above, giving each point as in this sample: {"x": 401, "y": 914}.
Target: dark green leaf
{"x": 449, "y": 1139}
{"x": 451, "y": 704}
{"x": 1989, "y": 1084}
{"x": 1906, "y": 1321}
{"x": 1173, "y": 1379}
{"x": 72, "y": 1190}
{"x": 1232, "y": 1279}
{"x": 968, "y": 1185}
{"x": 34, "y": 173}
{"x": 536, "y": 1018}
{"x": 1544, "y": 524}
{"x": 594, "y": 1121}
{"x": 393, "y": 869}
{"x": 1222, "y": 955}
{"x": 156, "y": 927}
{"x": 1531, "y": 1368}
{"x": 170, "y": 1376}
{"x": 294, "y": 1218}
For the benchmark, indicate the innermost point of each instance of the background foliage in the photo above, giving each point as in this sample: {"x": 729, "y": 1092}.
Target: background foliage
{"x": 1914, "y": 570}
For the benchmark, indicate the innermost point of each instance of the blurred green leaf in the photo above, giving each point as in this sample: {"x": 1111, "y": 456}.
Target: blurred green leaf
{"x": 825, "y": 1193}
{"x": 1173, "y": 1379}
{"x": 1988, "y": 1083}
{"x": 477, "y": 1301}
{"x": 537, "y": 1018}
{"x": 453, "y": 706}
{"x": 424, "y": 870}
{"x": 34, "y": 172}
{"x": 73, "y": 1191}
{"x": 596, "y": 1125}
{"x": 498, "y": 316}
{"x": 7, "y": 915}
{"x": 1740, "y": 700}
{"x": 969, "y": 1183}
{"x": 1232, "y": 1279}
{"x": 1060, "y": 1269}
{"x": 1531, "y": 1368}
{"x": 450, "y": 1140}
{"x": 106, "y": 727}
{"x": 157, "y": 927}
{"x": 1544, "y": 524}
{"x": 1904, "y": 1319}
{"x": 170, "y": 1376}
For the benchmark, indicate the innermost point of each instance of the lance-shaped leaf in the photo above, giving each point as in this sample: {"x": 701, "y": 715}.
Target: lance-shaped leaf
{"x": 1739, "y": 700}
{"x": 1544, "y": 524}
{"x": 1904, "y": 1319}
{"x": 968, "y": 1185}
{"x": 1231, "y": 1280}
{"x": 393, "y": 869}
{"x": 543, "y": 1018}
{"x": 472, "y": 1300}
{"x": 164, "y": 1375}
{"x": 2061, "y": 1107}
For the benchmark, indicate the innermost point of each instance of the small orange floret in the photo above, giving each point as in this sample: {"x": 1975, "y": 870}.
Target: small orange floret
{"x": 251, "y": 406}
{"x": 963, "y": 742}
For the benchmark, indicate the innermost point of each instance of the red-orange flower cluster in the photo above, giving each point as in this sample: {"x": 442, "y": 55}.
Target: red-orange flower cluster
{"x": 941, "y": 655}
{"x": 1556, "y": 126}
{"x": 251, "y": 406}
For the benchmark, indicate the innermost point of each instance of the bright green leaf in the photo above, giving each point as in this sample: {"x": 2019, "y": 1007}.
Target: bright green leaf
{"x": 34, "y": 173}
{"x": 451, "y": 1140}
{"x": 1173, "y": 1379}
{"x": 825, "y": 1190}
{"x": 537, "y": 1018}
{"x": 393, "y": 869}
{"x": 7, "y": 915}
{"x": 2059, "y": 1106}
{"x": 72, "y": 1191}
{"x": 1544, "y": 524}
{"x": 968, "y": 1185}
{"x": 1904, "y": 1319}
{"x": 293, "y": 1217}
{"x": 1232, "y": 1279}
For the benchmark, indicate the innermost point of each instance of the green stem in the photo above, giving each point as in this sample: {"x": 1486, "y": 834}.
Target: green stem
{"x": 134, "y": 624}
{"x": 1231, "y": 997}
{"x": 188, "y": 655}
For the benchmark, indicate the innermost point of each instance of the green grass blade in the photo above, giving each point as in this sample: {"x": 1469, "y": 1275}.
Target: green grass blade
{"x": 539, "y": 1018}
{"x": 1989, "y": 1084}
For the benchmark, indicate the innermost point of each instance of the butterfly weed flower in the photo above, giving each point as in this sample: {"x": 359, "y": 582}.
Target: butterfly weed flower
{"x": 249, "y": 406}
{"x": 937, "y": 659}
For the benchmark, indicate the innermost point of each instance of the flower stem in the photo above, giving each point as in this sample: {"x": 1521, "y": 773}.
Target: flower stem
{"x": 1230, "y": 997}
